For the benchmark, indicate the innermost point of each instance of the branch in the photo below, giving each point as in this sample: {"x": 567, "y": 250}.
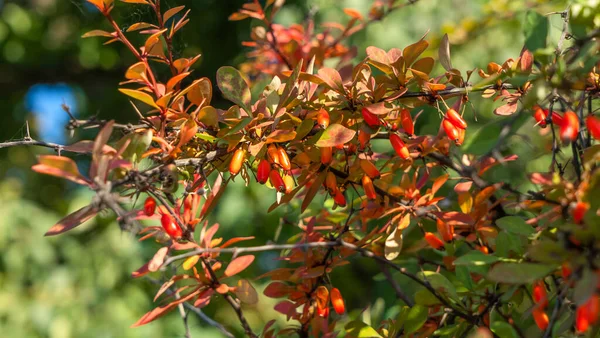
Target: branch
{"x": 196, "y": 310}
{"x": 28, "y": 141}
{"x": 425, "y": 284}
{"x": 234, "y": 304}
{"x": 240, "y": 250}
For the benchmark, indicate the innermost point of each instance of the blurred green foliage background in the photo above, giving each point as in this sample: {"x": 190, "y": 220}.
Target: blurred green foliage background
{"x": 78, "y": 284}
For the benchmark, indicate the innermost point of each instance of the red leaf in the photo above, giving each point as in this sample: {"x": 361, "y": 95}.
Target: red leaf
{"x": 287, "y": 308}
{"x": 204, "y": 298}
{"x": 238, "y": 265}
{"x": 332, "y": 78}
{"x": 163, "y": 310}
{"x": 72, "y": 221}
{"x": 276, "y": 290}
{"x": 141, "y": 271}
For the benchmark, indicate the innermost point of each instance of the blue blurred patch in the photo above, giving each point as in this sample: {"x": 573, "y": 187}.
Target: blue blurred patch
{"x": 45, "y": 102}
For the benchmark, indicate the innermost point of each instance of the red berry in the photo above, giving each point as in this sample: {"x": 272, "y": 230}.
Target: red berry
{"x": 456, "y": 119}
{"x": 276, "y": 180}
{"x": 540, "y": 296}
{"x": 339, "y": 198}
{"x": 369, "y": 188}
{"x": 337, "y": 301}
{"x": 540, "y": 115}
{"x": 569, "y": 127}
{"x": 326, "y": 155}
{"x": 262, "y": 172}
{"x": 407, "y": 122}
{"x": 284, "y": 159}
{"x": 579, "y": 211}
{"x": 236, "y": 161}
{"x": 323, "y": 118}
{"x": 171, "y": 228}
{"x": 450, "y": 129}
{"x": 399, "y": 146}
{"x": 593, "y": 126}
{"x": 369, "y": 168}
{"x": 149, "y": 206}
{"x": 370, "y": 118}
{"x": 541, "y": 318}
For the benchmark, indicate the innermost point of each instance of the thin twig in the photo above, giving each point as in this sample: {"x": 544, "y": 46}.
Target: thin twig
{"x": 196, "y": 311}
{"x": 397, "y": 289}
{"x": 234, "y": 304}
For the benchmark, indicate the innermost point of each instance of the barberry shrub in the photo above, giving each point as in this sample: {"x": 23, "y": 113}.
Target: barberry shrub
{"x": 464, "y": 255}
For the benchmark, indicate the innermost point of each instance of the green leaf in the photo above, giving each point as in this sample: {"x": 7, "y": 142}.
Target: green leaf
{"x": 536, "y": 30}
{"x": 439, "y": 283}
{"x": 476, "y": 257}
{"x": 239, "y": 126}
{"x": 356, "y": 328}
{"x": 234, "y": 87}
{"x": 447, "y": 330}
{"x": 417, "y": 316}
{"x": 335, "y": 135}
{"x": 426, "y": 298}
{"x": 585, "y": 287}
{"x": 515, "y": 225}
{"x": 503, "y": 329}
{"x": 464, "y": 276}
{"x": 519, "y": 273}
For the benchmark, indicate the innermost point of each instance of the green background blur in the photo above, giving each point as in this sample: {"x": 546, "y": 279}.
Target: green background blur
{"x": 78, "y": 284}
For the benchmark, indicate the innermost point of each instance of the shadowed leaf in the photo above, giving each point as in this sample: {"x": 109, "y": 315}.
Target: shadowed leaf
{"x": 72, "y": 221}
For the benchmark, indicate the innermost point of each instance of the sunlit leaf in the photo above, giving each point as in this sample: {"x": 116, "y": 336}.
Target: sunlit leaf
{"x": 139, "y": 95}
{"x": 238, "y": 265}
{"x": 168, "y": 14}
{"x": 59, "y": 166}
{"x": 335, "y": 135}
{"x": 476, "y": 257}
{"x": 332, "y": 78}
{"x": 136, "y": 72}
{"x": 393, "y": 245}
{"x": 158, "y": 259}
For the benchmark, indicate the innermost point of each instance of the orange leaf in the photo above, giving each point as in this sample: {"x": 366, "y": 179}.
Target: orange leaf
{"x": 238, "y": 265}
{"x": 97, "y": 32}
{"x": 353, "y": 13}
{"x": 168, "y": 14}
{"x": 59, "y": 166}
{"x": 136, "y": 72}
